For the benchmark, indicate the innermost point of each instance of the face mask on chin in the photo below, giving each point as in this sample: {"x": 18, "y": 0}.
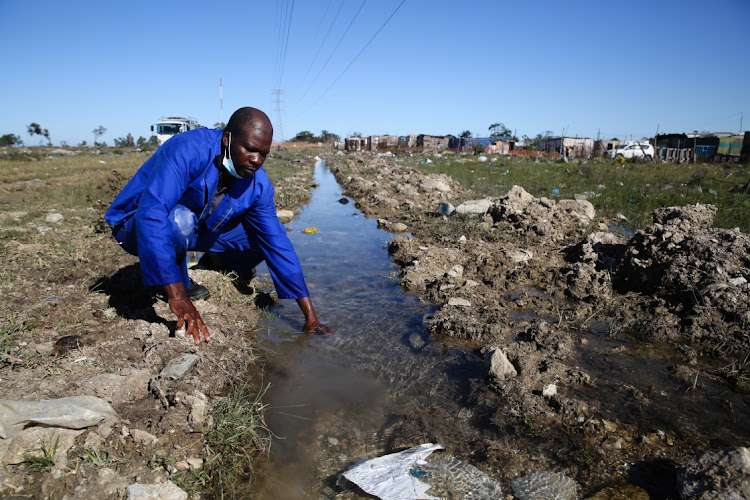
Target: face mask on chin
{"x": 227, "y": 160}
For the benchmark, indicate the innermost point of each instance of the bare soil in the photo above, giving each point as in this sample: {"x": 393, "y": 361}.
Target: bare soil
{"x": 630, "y": 353}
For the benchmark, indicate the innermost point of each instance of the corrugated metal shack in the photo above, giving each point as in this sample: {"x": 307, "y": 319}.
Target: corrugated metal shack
{"x": 569, "y": 146}
{"x": 356, "y": 144}
{"x": 734, "y": 147}
{"x": 383, "y": 143}
{"x": 433, "y": 141}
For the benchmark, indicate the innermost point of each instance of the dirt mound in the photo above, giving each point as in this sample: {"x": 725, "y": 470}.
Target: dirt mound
{"x": 700, "y": 273}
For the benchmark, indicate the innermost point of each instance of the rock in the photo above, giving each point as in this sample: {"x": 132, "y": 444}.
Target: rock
{"x": 543, "y": 484}
{"x": 446, "y": 208}
{"x": 143, "y": 438}
{"x": 285, "y": 216}
{"x": 416, "y": 341}
{"x": 456, "y": 271}
{"x": 399, "y": 227}
{"x": 344, "y": 201}
{"x": 54, "y": 218}
{"x": 457, "y": 301}
{"x": 30, "y": 441}
{"x": 500, "y": 367}
{"x": 474, "y": 207}
{"x": 723, "y": 474}
{"x": 482, "y": 158}
{"x": 119, "y": 388}
{"x": 107, "y": 483}
{"x": 434, "y": 184}
{"x": 195, "y": 463}
{"x": 163, "y": 491}
{"x": 580, "y": 207}
{"x": 178, "y": 367}
{"x": 549, "y": 390}
{"x": 519, "y": 256}
{"x": 198, "y": 405}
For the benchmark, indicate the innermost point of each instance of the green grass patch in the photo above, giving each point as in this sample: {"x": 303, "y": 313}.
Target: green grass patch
{"x": 633, "y": 189}
{"x": 237, "y": 439}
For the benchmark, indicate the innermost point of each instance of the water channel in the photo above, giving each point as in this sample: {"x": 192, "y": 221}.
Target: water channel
{"x": 329, "y": 395}
{"x": 336, "y": 399}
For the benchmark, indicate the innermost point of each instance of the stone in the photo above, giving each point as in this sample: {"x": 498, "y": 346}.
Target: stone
{"x": 416, "y": 341}
{"x": 456, "y": 271}
{"x": 285, "y": 216}
{"x": 500, "y": 366}
{"x": 198, "y": 404}
{"x": 431, "y": 184}
{"x": 29, "y": 443}
{"x": 457, "y": 301}
{"x": 143, "y": 438}
{"x": 119, "y": 388}
{"x": 163, "y": 491}
{"x": 54, "y": 218}
{"x": 474, "y": 207}
{"x": 179, "y": 366}
{"x": 519, "y": 256}
{"x": 399, "y": 227}
{"x": 549, "y": 390}
{"x": 581, "y": 207}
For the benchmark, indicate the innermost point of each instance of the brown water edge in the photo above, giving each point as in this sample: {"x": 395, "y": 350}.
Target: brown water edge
{"x": 373, "y": 388}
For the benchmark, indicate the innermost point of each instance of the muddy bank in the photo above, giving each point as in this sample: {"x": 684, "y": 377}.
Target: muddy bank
{"x": 612, "y": 359}
{"x": 76, "y": 321}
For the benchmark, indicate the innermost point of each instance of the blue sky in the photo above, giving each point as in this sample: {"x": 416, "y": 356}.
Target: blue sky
{"x": 588, "y": 68}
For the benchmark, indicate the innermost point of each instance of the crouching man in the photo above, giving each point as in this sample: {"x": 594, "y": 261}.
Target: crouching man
{"x": 206, "y": 190}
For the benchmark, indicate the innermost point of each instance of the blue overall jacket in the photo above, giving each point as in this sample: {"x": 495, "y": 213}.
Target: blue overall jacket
{"x": 182, "y": 171}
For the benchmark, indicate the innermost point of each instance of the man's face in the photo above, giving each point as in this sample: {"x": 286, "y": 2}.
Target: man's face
{"x": 249, "y": 149}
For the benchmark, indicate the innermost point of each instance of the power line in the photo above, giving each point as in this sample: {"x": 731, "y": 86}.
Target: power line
{"x": 286, "y": 23}
{"x": 325, "y": 39}
{"x": 334, "y": 49}
{"x": 357, "y": 56}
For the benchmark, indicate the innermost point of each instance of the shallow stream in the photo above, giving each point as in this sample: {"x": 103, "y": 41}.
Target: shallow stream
{"x": 336, "y": 399}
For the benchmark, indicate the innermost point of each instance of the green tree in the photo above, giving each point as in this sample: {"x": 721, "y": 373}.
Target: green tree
{"x": 35, "y": 129}
{"x": 142, "y": 142}
{"x": 125, "y": 142}
{"x": 10, "y": 140}
{"x": 220, "y": 125}
{"x": 465, "y": 134}
{"x": 326, "y": 136}
{"x": 356, "y": 134}
{"x": 304, "y": 136}
{"x": 500, "y": 130}
{"x": 98, "y": 132}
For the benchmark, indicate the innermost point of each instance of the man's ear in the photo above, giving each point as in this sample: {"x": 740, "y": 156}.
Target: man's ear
{"x": 225, "y": 139}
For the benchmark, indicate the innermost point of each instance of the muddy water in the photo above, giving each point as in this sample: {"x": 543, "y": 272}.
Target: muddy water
{"x": 334, "y": 400}
{"x": 328, "y": 395}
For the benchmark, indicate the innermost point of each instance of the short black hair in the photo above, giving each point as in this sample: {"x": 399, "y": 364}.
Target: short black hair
{"x": 248, "y": 116}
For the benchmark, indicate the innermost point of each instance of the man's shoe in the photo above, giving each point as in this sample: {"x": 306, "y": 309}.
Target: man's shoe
{"x": 197, "y": 292}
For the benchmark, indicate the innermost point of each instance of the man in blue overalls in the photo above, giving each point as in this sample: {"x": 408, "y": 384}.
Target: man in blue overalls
{"x": 206, "y": 190}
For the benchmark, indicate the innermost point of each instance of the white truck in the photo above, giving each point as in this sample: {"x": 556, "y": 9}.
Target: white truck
{"x": 166, "y": 127}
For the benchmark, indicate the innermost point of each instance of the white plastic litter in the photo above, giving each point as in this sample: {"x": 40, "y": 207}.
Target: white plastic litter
{"x": 390, "y": 477}
{"x": 75, "y": 412}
